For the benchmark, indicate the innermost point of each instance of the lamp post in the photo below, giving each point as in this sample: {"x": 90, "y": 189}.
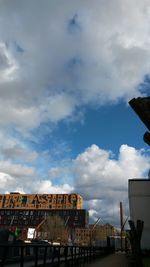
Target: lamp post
{"x": 141, "y": 106}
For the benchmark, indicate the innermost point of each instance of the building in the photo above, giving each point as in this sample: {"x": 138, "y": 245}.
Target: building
{"x": 139, "y": 202}
{"x": 40, "y": 201}
{"x": 101, "y": 232}
{"x": 82, "y": 236}
{"x": 94, "y": 235}
{"x": 28, "y": 210}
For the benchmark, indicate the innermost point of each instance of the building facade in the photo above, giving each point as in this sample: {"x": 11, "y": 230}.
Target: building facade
{"x": 139, "y": 202}
{"x": 32, "y": 218}
{"x": 94, "y": 235}
{"x": 82, "y": 236}
{"x": 40, "y": 201}
{"x": 28, "y": 210}
{"x": 101, "y": 232}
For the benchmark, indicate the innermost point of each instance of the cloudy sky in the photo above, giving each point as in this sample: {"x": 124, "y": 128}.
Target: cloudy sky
{"x": 67, "y": 71}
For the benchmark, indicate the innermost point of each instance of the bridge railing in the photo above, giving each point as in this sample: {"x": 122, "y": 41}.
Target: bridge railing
{"x": 15, "y": 254}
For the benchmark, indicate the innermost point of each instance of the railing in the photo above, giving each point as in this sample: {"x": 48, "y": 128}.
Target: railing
{"x": 32, "y": 254}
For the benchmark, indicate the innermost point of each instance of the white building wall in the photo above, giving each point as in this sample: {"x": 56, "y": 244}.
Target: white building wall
{"x": 139, "y": 205}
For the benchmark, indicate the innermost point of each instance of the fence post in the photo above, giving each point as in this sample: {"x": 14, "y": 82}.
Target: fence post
{"x": 36, "y": 256}
{"x": 66, "y": 254}
{"x": 58, "y": 255}
{"x": 22, "y": 257}
{"x": 45, "y": 255}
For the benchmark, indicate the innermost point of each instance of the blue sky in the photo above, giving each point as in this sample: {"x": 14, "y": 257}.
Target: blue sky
{"x": 107, "y": 126}
{"x": 67, "y": 72}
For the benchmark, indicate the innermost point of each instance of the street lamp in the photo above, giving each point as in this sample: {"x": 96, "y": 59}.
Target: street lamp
{"x": 141, "y": 106}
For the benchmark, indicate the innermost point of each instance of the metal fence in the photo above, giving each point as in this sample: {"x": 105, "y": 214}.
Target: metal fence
{"x": 34, "y": 254}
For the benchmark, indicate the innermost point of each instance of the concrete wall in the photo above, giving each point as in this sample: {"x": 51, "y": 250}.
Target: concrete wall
{"x": 139, "y": 205}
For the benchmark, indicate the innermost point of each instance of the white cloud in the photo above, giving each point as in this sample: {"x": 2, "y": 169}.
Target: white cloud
{"x": 8, "y": 65}
{"x": 62, "y": 55}
{"x": 24, "y": 184}
{"x": 93, "y": 214}
{"x": 103, "y": 181}
{"x": 19, "y": 152}
{"x": 15, "y": 149}
{"x": 16, "y": 170}
{"x": 58, "y": 107}
{"x": 46, "y": 186}
{"x": 5, "y": 181}
{"x": 62, "y": 172}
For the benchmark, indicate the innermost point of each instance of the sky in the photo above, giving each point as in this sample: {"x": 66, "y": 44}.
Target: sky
{"x": 67, "y": 72}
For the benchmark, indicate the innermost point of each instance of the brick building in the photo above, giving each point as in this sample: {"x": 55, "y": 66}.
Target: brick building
{"x": 28, "y": 210}
{"x": 94, "y": 234}
{"x": 101, "y": 232}
{"x": 82, "y": 236}
{"x": 40, "y": 201}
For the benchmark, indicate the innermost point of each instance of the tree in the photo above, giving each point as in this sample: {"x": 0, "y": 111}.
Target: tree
{"x": 54, "y": 229}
